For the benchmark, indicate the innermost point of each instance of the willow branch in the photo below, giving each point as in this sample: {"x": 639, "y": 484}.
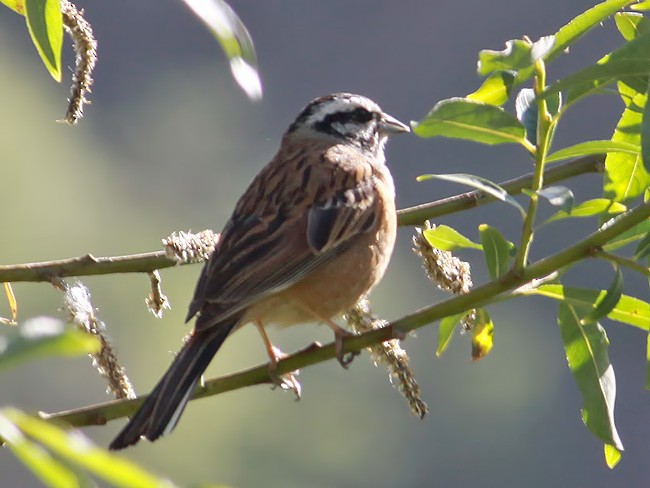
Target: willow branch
{"x": 148, "y": 262}
{"x": 485, "y": 294}
{"x": 86, "y": 265}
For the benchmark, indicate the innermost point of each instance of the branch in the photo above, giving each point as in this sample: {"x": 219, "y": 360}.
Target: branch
{"x": 148, "y": 262}
{"x": 85, "y": 266}
{"x": 418, "y": 214}
{"x": 485, "y": 294}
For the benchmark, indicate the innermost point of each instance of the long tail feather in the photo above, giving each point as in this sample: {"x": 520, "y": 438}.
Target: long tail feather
{"x": 163, "y": 407}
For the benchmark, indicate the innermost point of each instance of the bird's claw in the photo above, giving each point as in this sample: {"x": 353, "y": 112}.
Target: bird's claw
{"x": 344, "y": 358}
{"x": 285, "y": 381}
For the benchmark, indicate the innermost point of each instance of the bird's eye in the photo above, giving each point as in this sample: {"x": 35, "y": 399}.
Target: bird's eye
{"x": 361, "y": 115}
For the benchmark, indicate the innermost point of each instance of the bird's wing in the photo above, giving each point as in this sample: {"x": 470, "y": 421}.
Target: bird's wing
{"x": 285, "y": 225}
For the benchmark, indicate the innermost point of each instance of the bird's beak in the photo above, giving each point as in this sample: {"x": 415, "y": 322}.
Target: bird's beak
{"x": 390, "y": 125}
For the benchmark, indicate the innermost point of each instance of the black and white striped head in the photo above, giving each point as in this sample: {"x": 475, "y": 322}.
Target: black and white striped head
{"x": 354, "y": 119}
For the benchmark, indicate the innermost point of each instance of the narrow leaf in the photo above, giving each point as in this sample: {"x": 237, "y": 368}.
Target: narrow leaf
{"x": 630, "y": 24}
{"x": 515, "y": 56}
{"x": 49, "y": 470}
{"x": 641, "y": 6}
{"x": 17, "y": 6}
{"x": 632, "y": 60}
{"x": 482, "y": 335}
{"x": 575, "y": 29}
{"x": 645, "y": 136}
{"x": 235, "y": 40}
{"x": 13, "y": 306}
{"x": 594, "y": 147}
{"x": 586, "y": 350}
{"x": 45, "y": 24}
{"x": 612, "y": 456}
{"x": 629, "y": 310}
{"x": 76, "y": 448}
{"x": 446, "y": 329}
{"x": 558, "y": 196}
{"x": 607, "y": 302}
{"x": 462, "y": 118}
{"x": 43, "y": 336}
{"x": 643, "y": 249}
{"x": 445, "y": 238}
{"x": 479, "y": 183}
{"x": 527, "y": 113}
{"x": 647, "y": 361}
{"x": 498, "y": 251}
{"x": 590, "y": 208}
{"x": 495, "y": 90}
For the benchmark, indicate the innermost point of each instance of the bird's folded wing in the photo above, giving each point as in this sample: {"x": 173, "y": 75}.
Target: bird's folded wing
{"x": 265, "y": 254}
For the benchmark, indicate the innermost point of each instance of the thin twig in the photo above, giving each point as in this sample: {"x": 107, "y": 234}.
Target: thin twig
{"x": 587, "y": 247}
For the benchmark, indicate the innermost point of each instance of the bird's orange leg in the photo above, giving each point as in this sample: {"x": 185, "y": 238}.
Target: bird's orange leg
{"x": 287, "y": 381}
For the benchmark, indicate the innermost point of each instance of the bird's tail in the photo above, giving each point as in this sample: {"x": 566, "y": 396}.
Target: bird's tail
{"x": 163, "y": 407}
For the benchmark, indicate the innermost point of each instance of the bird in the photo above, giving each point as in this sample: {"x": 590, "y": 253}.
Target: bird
{"x": 311, "y": 236}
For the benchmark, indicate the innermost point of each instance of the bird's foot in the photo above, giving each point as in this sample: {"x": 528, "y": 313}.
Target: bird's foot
{"x": 285, "y": 381}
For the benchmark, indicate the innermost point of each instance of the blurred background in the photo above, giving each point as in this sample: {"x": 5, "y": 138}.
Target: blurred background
{"x": 170, "y": 142}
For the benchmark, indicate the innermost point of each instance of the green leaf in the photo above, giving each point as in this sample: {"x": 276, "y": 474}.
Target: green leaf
{"x": 462, "y": 118}
{"x": 586, "y": 350}
{"x": 45, "y": 24}
{"x": 612, "y": 456}
{"x": 643, "y": 249}
{"x": 641, "y": 6}
{"x": 594, "y": 147}
{"x": 607, "y": 302}
{"x": 495, "y": 90}
{"x": 575, "y": 29}
{"x": 498, "y": 251}
{"x": 558, "y": 196}
{"x": 590, "y": 208}
{"x": 647, "y": 361}
{"x": 482, "y": 184}
{"x": 17, "y": 6}
{"x": 629, "y": 236}
{"x": 235, "y": 40}
{"x": 631, "y": 62}
{"x": 630, "y": 24}
{"x": 628, "y": 310}
{"x": 47, "y": 469}
{"x": 43, "y": 336}
{"x": 527, "y": 113}
{"x": 445, "y": 238}
{"x": 645, "y": 137}
{"x": 79, "y": 450}
{"x": 482, "y": 335}
{"x": 446, "y": 331}
{"x": 515, "y": 56}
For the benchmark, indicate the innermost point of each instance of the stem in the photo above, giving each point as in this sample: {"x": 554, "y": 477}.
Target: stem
{"x": 102, "y": 413}
{"x": 544, "y": 132}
